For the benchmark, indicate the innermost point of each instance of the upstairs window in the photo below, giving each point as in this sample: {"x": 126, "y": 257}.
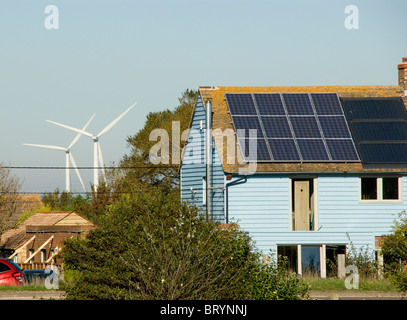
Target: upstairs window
{"x": 380, "y": 189}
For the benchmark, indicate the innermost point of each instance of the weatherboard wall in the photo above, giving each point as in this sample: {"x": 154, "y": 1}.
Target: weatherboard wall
{"x": 261, "y": 206}
{"x": 193, "y": 168}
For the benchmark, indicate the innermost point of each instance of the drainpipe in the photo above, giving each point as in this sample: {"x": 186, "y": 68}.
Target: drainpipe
{"x": 208, "y": 160}
{"x": 238, "y": 181}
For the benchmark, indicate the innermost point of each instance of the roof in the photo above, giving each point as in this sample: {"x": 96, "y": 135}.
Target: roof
{"x": 13, "y": 238}
{"x": 222, "y": 120}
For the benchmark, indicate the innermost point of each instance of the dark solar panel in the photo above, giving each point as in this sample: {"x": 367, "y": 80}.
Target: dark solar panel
{"x": 342, "y": 149}
{"x": 370, "y": 131}
{"x": 326, "y": 104}
{"x": 305, "y": 127}
{"x": 241, "y": 104}
{"x": 312, "y": 149}
{"x": 298, "y": 104}
{"x": 284, "y": 149}
{"x": 389, "y": 153}
{"x": 374, "y": 108}
{"x": 276, "y": 127}
{"x": 269, "y": 104}
{"x": 379, "y": 129}
{"x": 334, "y": 127}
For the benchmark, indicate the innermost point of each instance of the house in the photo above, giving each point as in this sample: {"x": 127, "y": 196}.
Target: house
{"x": 39, "y": 238}
{"x": 308, "y": 172}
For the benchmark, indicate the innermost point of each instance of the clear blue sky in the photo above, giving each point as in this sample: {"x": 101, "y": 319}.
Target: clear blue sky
{"x": 108, "y": 54}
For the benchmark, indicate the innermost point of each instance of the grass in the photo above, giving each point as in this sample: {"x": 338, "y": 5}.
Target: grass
{"x": 319, "y": 284}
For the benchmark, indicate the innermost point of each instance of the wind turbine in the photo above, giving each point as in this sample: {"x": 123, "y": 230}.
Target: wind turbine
{"x": 68, "y": 157}
{"x": 97, "y": 152}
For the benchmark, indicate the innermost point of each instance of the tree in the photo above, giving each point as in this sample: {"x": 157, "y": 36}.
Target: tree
{"x": 10, "y": 186}
{"x": 394, "y": 250}
{"x": 138, "y": 165}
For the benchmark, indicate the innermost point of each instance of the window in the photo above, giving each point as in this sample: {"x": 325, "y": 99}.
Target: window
{"x": 380, "y": 189}
{"x": 4, "y": 267}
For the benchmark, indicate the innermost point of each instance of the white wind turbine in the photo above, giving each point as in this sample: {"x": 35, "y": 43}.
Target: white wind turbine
{"x": 68, "y": 158}
{"x": 97, "y": 153}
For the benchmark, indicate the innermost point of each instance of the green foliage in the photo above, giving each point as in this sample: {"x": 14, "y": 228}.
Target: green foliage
{"x": 394, "y": 250}
{"x": 151, "y": 246}
{"x": 274, "y": 281}
{"x": 137, "y": 163}
{"x": 363, "y": 259}
{"x": 64, "y": 201}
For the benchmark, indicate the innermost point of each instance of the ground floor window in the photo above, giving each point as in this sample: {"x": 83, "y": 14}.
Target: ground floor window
{"x": 313, "y": 260}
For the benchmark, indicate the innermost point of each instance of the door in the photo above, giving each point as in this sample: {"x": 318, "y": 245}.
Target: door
{"x": 301, "y": 205}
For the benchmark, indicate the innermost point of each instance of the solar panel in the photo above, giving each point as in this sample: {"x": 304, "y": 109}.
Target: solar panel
{"x": 379, "y": 129}
{"x": 334, "y": 127}
{"x": 305, "y": 127}
{"x": 379, "y": 153}
{"x": 312, "y": 149}
{"x": 269, "y": 104}
{"x": 284, "y": 149}
{"x": 371, "y": 131}
{"x": 292, "y": 126}
{"x": 254, "y": 149}
{"x": 326, "y": 104}
{"x": 374, "y": 108}
{"x": 241, "y": 104}
{"x": 298, "y": 104}
{"x": 244, "y": 124}
{"x": 342, "y": 149}
{"x": 276, "y": 127}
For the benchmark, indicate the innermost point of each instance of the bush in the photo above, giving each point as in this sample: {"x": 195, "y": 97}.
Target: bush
{"x": 394, "y": 250}
{"x": 151, "y": 246}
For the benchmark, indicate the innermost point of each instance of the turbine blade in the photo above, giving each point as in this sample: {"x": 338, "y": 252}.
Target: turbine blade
{"x": 113, "y": 123}
{"x": 45, "y": 146}
{"x": 79, "y": 134}
{"x": 77, "y": 171}
{"x": 71, "y": 128}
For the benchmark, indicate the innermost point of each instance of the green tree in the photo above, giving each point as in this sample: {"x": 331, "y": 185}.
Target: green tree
{"x": 138, "y": 165}
{"x": 394, "y": 250}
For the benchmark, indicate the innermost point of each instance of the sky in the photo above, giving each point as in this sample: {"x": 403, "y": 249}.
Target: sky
{"x": 99, "y": 57}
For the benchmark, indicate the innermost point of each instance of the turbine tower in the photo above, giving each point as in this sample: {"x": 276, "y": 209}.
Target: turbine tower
{"x": 97, "y": 152}
{"x": 68, "y": 158}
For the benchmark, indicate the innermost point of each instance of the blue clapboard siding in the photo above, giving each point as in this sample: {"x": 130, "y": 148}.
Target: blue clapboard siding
{"x": 261, "y": 207}
{"x": 193, "y": 168}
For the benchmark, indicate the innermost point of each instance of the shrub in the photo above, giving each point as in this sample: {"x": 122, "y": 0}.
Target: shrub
{"x": 394, "y": 250}
{"x": 151, "y": 246}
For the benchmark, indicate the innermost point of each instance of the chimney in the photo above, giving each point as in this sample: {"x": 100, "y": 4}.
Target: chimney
{"x": 403, "y": 76}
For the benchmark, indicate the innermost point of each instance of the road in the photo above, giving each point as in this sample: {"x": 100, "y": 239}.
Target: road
{"x": 315, "y": 295}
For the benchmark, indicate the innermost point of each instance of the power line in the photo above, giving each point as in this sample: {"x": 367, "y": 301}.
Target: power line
{"x": 86, "y": 168}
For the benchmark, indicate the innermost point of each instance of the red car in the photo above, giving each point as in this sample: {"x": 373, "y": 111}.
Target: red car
{"x": 10, "y": 273}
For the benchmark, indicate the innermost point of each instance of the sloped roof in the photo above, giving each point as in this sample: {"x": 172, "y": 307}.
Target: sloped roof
{"x": 222, "y": 120}
{"x": 15, "y": 237}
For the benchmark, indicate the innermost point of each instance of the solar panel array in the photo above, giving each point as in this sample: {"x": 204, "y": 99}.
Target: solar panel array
{"x": 379, "y": 128}
{"x": 291, "y": 127}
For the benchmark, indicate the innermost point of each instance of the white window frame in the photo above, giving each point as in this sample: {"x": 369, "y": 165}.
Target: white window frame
{"x": 379, "y": 188}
